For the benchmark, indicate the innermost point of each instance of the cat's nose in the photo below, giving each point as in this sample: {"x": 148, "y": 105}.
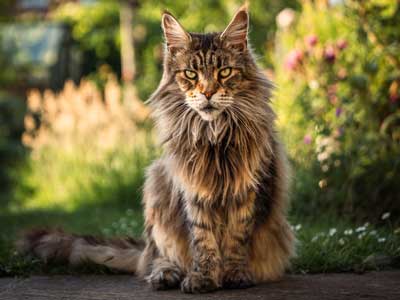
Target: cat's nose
{"x": 209, "y": 94}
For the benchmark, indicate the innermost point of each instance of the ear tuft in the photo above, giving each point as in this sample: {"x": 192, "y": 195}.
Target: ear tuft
{"x": 175, "y": 35}
{"x": 236, "y": 32}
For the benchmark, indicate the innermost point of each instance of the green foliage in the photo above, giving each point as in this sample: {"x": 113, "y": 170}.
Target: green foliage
{"x": 338, "y": 102}
{"x": 96, "y": 29}
{"x": 6, "y": 10}
{"x": 345, "y": 248}
{"x": 11, "y": 151}
{"x": 67, "y": 179}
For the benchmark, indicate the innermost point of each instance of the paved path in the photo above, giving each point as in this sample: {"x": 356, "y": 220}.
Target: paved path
{"x": 374, "y": 285}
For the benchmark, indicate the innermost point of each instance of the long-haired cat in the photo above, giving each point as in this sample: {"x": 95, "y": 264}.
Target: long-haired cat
{"x": 215, "y": 201}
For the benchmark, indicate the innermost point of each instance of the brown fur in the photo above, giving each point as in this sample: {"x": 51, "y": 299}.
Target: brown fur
{"x": 215, "y": 202}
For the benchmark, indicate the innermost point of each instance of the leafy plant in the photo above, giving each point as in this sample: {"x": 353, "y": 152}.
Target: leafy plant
{"x": 338, "y": 101}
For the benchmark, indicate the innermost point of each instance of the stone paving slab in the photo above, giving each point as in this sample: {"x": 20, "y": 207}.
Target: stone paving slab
{"x": 373, "y": 285}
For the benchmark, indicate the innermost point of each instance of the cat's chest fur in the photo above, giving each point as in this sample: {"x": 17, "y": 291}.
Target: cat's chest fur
{"x": 216, "y": 172}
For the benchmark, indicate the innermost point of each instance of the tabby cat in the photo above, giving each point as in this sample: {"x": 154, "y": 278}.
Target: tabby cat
{"x": 215, "y": 202}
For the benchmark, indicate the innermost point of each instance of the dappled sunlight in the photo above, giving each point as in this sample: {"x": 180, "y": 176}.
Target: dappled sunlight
{"x": 84, "y": 149}
{"x": 78, "y": 115}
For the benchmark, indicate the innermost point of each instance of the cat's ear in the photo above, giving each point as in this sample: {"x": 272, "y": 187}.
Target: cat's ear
{"x": 235, "y": 34}
{"x": 175, "y": 35}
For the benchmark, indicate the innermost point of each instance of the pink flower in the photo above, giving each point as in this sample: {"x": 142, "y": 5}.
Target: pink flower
{"x": 338, "y": 132}
{"x": 331, "y": 91}
{"x": 307, "y": 139}
{"x": 342, "y": 74}
{"x": 293, "y": 59}
{"x": 330, "y": 54}
{"x": 338, "y": 112}
{"x": 311, "y": 40}
{"x": 394, "y": 98}
{"x": 333, "y": 99}
{"x": 341, "y": 44}
{"x": 394, "y": 92}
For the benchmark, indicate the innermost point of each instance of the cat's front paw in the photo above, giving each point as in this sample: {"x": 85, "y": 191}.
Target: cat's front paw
{"x": 165, "y": 279}
{"x": 237, "y": 278}
{"x": 196, "y": 282}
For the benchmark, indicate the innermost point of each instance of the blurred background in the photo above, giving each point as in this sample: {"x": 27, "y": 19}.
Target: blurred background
{"x": 75, "y": 136}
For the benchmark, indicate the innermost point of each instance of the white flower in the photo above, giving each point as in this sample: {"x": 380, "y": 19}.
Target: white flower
{"x": 385, "y": 216}
{"x": 313, "y": 84}
{"x": 366, "y": 224}
{"x": 315, "y": 238}
{"x": 361, "y": 235}
{"x": 323, "y": 156}
{"x": 372, "y": 232}
{"x": 325, "y": 168}
{"x": 323, "y": 183}
{"x": 285, "y": 18}
{"x": 332, "y": 231}
{"x": 297, "y": 227}
{"x": 360, "y": 229}
{"x": 341, "y": 241}
{"x": 348, "y": 232}
{"x": 381, "y": 240}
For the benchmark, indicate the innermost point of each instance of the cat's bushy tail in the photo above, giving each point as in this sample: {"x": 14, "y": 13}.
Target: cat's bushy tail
{"x": 56, "y": 245}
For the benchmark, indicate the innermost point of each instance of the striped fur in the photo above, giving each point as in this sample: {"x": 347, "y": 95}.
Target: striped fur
{"x": 215, "y": 202}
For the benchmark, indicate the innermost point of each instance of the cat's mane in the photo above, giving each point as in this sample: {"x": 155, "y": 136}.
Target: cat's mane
{"x": 222, "y": 158}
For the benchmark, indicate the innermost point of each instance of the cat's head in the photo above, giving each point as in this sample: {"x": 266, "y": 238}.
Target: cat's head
{"x": 210, "y": 69}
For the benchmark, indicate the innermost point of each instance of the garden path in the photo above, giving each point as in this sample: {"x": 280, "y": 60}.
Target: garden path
{"x": 372, "y": 285}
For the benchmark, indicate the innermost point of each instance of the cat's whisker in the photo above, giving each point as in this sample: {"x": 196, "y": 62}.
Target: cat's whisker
{"x": 223, "y": 102}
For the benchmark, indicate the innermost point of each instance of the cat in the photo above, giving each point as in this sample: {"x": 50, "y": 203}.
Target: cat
{"x": 215, "y": 202}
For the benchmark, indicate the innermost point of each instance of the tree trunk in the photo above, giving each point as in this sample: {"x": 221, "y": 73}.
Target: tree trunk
{"x": 128, "y": 66}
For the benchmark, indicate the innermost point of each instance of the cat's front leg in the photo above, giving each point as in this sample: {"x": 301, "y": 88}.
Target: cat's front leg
{"x": 205, "y": 275}
{"x": 235, "y": 244}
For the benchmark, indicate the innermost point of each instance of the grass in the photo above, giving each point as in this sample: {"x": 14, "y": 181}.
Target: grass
{"x": 88, "y": 190}
{"x": 321, "y": 246}
{"x": 342, "y": 247}
{"x": 98, "y": 219}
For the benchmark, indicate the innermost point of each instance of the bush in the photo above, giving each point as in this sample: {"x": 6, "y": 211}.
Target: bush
{"x": 338, "y": 102}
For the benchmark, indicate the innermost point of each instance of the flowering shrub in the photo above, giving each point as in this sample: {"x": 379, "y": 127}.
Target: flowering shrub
{"x": 84, "y": 148}
{"x": 338, "y": 102}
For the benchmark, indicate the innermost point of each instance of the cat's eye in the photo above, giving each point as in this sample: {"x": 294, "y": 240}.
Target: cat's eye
{"x": 190, "y": 74}
{"x": 225, "y": 72}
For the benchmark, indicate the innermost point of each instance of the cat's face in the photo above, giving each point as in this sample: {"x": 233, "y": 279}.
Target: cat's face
{"x": 208, "y": 68}
{"x": 208, "y": 76}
